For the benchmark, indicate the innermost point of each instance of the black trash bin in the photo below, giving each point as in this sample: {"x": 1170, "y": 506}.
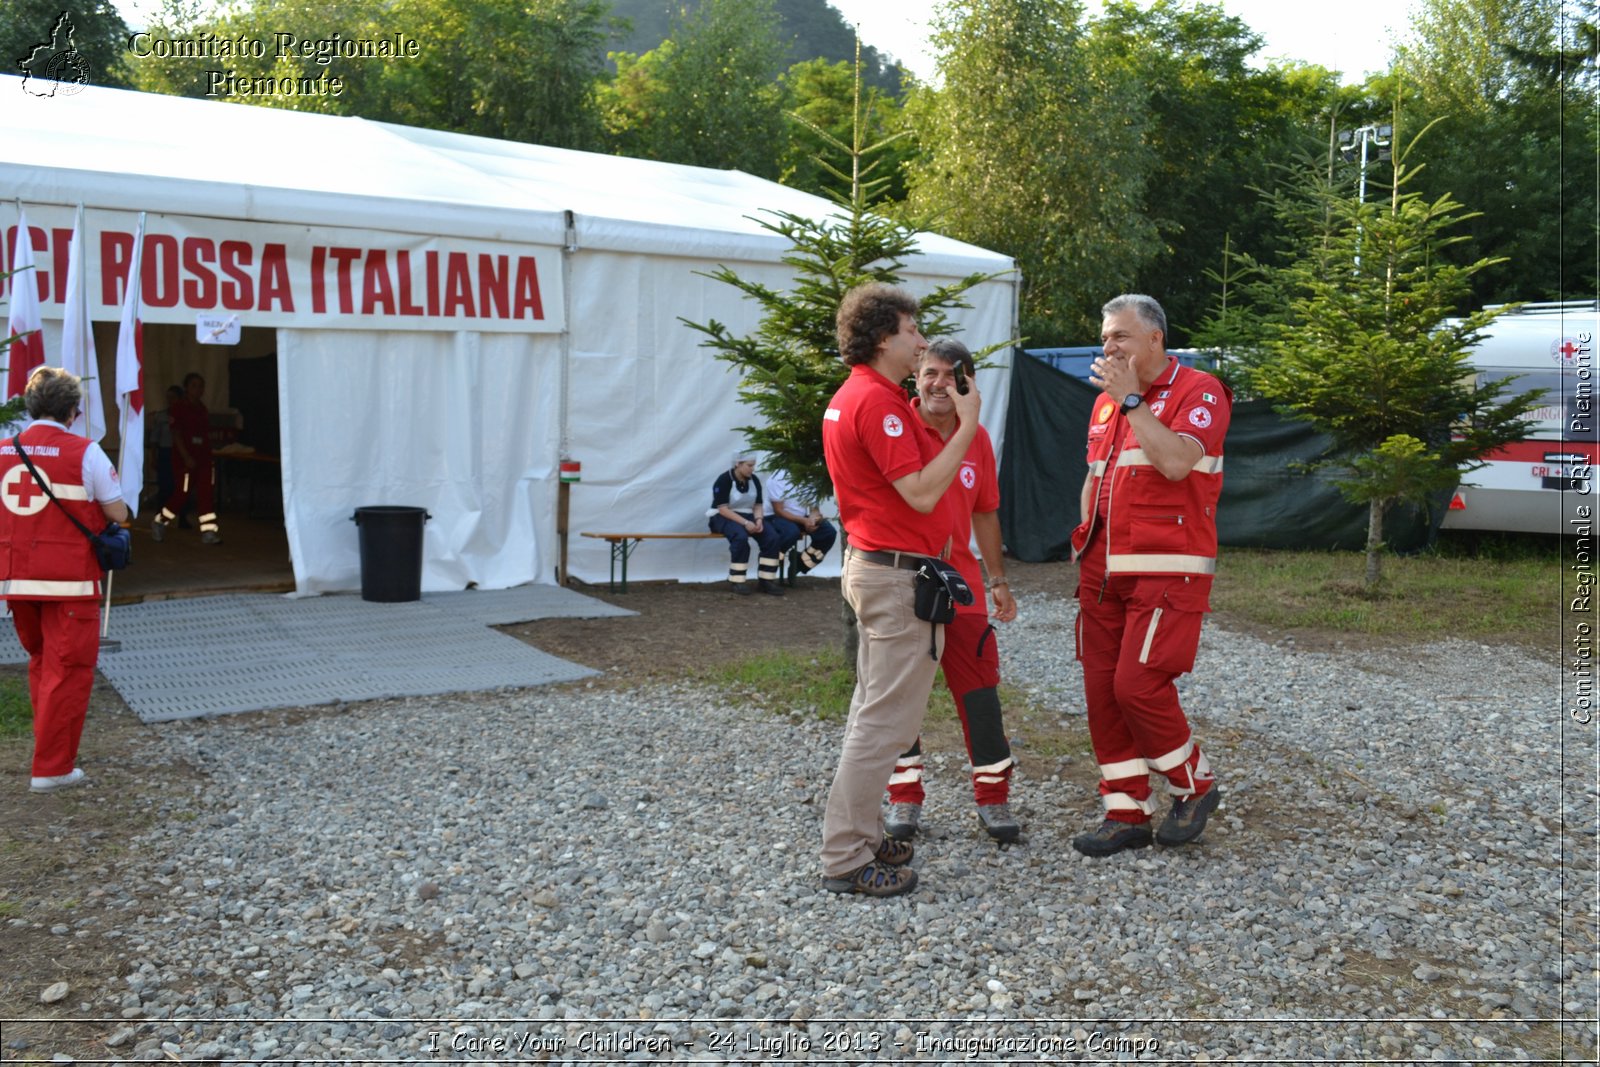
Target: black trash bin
{"x": 391, "y": 553}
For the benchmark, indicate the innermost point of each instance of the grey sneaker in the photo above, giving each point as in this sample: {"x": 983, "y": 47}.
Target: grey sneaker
{"x": 158, "y": 531}
{"x": 998, "y": 821}
{"x": 902, "y": 821}
{"x": 210, "y": 537}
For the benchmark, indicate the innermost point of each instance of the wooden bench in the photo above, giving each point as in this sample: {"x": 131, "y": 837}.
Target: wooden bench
{"x": 623, "y": 544}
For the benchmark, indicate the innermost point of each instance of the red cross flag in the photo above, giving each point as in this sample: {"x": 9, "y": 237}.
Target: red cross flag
{"x": 77, "y": 338}
{"x": 27, "y": 351}
{"x": 130, "y": 379}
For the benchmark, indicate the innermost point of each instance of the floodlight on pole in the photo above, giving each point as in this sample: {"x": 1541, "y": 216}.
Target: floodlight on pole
{"x": 1373, "y": 137}
{"x": 1356, "y": 143}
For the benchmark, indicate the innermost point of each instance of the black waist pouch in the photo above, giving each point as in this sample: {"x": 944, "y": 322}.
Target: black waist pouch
{"x": 940, "y": 588}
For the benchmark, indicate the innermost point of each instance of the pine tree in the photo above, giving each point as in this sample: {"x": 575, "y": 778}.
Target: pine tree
{"x": 790, "y": 366}
{"x": 1355, "y": 336}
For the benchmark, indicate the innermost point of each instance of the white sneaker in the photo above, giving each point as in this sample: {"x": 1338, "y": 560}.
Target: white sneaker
{"x": 158, "y": 531}
{"x": 60, "y": 781}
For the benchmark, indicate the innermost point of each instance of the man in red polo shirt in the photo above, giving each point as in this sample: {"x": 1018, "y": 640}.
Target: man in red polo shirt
{"x": 890, "y": 475}
{"x": 971, "y": 661}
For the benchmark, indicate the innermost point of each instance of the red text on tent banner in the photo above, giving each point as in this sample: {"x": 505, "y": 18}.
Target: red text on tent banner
{"x": 323, "y": 278}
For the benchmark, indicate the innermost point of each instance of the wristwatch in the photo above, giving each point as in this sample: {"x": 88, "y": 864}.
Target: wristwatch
{"x": 1131, "y": 401}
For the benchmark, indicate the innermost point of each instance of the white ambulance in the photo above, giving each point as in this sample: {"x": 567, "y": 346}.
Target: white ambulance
{"x": 1538, "y": 484}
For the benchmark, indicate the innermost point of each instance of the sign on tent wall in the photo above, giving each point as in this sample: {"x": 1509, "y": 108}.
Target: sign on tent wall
{"x": 266, "y": 274}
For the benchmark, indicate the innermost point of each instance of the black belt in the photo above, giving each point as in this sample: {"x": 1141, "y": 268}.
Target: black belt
{"x": 906, "y": 561}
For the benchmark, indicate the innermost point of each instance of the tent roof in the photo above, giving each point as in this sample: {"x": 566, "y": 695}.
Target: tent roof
{"x": 111, "y": 148}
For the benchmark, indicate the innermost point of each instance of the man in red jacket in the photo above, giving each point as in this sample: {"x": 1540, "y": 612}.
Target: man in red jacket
{"x": 1147, "y": 551}
{"x": 49, "y": 574}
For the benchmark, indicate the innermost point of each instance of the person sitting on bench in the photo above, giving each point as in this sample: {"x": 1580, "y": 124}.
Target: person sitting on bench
{"x": 737, "y": 512}
{"x": 793, "y": 516}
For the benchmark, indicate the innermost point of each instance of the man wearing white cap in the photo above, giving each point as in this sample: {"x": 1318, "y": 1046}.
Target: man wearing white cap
{"x": 736, "y": 511}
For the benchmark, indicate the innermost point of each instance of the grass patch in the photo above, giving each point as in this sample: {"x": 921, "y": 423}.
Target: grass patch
{"x": 1506, "y": 596}
{"x": 806, "y": 683}
{"x": 819, "y": 684}
{"x": 16, "y": 711}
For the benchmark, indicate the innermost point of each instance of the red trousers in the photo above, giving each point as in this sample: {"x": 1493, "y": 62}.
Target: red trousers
{"x": 62, "y": 639}
{"x": 1136, "y": 635}
{"x": 201, "y": 481}
{"x": 971, "y": 665}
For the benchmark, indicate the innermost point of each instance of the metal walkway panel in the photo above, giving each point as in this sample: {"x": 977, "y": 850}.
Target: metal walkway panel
{"x": 502, "y": 607}
{"x": 219, "y": 655}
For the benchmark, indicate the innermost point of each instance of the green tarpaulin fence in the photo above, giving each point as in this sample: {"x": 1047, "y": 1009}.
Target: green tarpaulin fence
{"x": 1264, "y": 503}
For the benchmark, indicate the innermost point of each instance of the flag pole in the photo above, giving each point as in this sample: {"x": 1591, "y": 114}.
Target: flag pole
{"x": 107, "y": 643}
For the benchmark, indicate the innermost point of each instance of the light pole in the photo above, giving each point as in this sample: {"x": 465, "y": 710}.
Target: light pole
{"x": 1378, "y": 137}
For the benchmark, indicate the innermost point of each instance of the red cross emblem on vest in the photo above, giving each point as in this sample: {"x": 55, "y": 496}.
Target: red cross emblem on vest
{"x": 21, "y": 494}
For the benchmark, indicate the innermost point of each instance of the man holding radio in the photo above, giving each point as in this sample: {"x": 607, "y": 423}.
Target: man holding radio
{"x": 890, "y": 475}
{"x": 971, "y": 661}
{"x": 1147, "y": 551}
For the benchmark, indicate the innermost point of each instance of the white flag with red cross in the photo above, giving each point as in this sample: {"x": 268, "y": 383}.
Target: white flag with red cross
{"x": 130, "y": 380}
{"x": 27, "y": 351}
{"x": 77, "y": 338}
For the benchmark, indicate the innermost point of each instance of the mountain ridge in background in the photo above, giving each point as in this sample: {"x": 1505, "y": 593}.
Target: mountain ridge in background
{"x": 811, "y": 29}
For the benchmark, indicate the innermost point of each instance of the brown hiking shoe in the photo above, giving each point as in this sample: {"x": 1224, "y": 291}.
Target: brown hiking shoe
{"x": 1188, "y": 817}
{"x": 893, "y": 853}
{"x": 1111, "y": 837}
{"x": 874, "y": 880}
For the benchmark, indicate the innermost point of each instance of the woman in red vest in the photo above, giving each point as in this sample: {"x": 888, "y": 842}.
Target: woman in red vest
{"x": 49, "y": 574}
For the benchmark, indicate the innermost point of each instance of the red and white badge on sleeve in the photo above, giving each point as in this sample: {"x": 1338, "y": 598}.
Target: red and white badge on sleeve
{"x": 1201, "y": 417}
{"x": 892, "y": 426}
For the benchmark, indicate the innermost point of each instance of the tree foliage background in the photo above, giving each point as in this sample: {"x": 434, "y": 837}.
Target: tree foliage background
{"x": 1355, "y": 333}
{"x": 1036, "y": 145}
{"x": 1126, "y": 148}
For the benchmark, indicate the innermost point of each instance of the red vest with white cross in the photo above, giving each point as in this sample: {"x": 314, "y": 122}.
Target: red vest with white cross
{"x": 43, "y": 556}
{"x": 1158, "y": 526}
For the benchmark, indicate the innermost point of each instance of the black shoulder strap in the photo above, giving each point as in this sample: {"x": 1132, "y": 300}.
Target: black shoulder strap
{"x": 17, "y": 443}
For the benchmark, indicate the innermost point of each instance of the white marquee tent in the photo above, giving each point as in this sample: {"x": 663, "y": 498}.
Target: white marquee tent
{"x": 450, "y": 312}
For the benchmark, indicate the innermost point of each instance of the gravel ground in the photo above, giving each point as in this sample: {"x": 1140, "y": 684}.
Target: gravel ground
{"x": 1403, "y": 869}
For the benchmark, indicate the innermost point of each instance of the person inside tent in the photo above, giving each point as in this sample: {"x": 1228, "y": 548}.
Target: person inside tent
{"x": 192, "y": 466}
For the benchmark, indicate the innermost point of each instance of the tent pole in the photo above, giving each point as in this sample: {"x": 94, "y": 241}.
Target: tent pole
{"x": 108, "y": 643}
{"x": 563, "y": 488}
